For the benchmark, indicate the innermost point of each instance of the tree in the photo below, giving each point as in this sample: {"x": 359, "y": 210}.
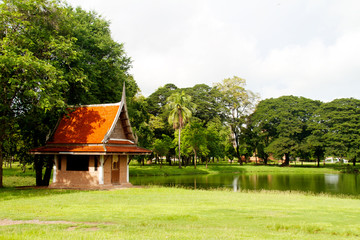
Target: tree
{"x": 206, "y": 99}
{"x": 158, "y": 99}
{"x": 194, "y": 139}
{"x": 282, "y": 124}
{"x": 161, "y": 147}
{"x": 102, "y": 60}
{"x": 31, "y": 46}
{"x": 180, "y": 107}
{"x": 237, "y": 104}
{"x": 338, "y": 122}
{"x": 217, "y": 136}
{"x": 52, "y": 55}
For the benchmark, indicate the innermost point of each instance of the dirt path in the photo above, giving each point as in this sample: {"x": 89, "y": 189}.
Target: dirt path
{"x": 5, "y": 222}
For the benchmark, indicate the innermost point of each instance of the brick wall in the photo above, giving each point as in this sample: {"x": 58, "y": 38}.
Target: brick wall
{"x": 89, "y": 178}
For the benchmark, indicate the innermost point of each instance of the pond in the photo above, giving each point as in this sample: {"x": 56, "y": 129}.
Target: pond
{"x": 348, "y": 184}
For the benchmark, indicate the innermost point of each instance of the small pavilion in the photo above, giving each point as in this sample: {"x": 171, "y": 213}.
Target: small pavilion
{"x": 91, "y": 146}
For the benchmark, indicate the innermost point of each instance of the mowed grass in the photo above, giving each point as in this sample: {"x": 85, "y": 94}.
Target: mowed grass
{"x": 15, "y": 177}
{"x": 174, "y": 213}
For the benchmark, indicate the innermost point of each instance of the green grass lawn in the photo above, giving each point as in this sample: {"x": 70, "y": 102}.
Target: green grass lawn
{"x": 175, "y": 213}
{"x": 15, "y": 177}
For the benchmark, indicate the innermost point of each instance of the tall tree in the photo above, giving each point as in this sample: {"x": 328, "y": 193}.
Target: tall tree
{"x": 31, "y": 49}
{"x": 194, "y": 139}
{"x": 102, "y": 60}
{"x": 52, "y": 55}
{"x": 339, "y": 123}
{"x": 180, "y": 107}
{"x": 238, "y": 102}
{"x": 217, "y": 136}
{"x": 282, "y": 123}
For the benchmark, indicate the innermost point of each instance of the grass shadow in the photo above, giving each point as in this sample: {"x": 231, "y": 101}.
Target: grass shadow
{"x": 11, "y": 193}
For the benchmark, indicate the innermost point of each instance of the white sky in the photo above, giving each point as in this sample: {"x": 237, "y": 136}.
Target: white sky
{"x": 307, "y": 48}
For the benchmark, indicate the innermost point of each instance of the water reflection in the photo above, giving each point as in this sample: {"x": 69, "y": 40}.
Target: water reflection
{"x": 317, "y": 183}
{"x": 236, "y": 187}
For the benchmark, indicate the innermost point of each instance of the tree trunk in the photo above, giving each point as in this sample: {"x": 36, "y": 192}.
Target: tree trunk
{"x": 179, "y": 147}
{"x": 1, "y": 167}
{"x": 238, "y": 149}
{"x": 47, "y": 175}
{"x": 195, "y": 159}
{"x": 287, "y": 159}
{"x": 318, "y": 161}
{"x": 39, "y": 163}
{"x": 238, "y": 154}
{"x": 354, "y": 161}
{"x": 168, "y": 159}
{"x": 265, "y": 159}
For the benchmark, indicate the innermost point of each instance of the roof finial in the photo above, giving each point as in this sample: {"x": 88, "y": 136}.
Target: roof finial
{"x": 123, "y": 97}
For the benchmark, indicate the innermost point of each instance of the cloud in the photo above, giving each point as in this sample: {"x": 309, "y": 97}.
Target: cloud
{"x": 307, "y": 48}
{"x": 315, "y": 70}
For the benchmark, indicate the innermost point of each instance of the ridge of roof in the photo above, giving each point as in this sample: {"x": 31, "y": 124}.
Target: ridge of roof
{"x": 95, "y": 105}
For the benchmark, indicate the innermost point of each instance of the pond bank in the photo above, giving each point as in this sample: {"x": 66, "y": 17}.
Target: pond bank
{"x": 219, "y": 168}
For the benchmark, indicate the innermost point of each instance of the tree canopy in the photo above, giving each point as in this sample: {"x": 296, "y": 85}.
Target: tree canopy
{"x": 282, "y": 124}
{"x": 237, "y": 104}
{"x": 52, "y": 55}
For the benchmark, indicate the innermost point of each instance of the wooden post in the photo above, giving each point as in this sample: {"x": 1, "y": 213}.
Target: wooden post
{"x": 127, "y": 168}
{"x": 101, "y": 170}
{"x": 56, "y": 159}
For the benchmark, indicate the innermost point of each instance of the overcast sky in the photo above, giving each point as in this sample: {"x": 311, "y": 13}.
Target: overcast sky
{"x": 307, "y": 48}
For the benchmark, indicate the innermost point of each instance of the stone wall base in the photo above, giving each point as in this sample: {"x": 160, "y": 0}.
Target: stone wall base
{"x": 90, "y": 187}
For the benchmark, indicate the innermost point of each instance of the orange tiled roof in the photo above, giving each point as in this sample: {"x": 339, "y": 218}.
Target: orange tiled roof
{"x": 84, "y": 129}
{"x": 86, "y": 124}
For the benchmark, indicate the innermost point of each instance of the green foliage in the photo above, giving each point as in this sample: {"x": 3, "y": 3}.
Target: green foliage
{"x": 180, "y": 107}
{"x": 237, "y": 104}
{"x": 52, "y": 55}
{"x": 217, "y": 136}
{"x": 102, "y": 60}
{"x": 162, "y": 146}
{"x": 207, "y": 105}
{"x": 282, "y": 124}
{"x": 158, "y": 99}
{"x": 195, "y": 140}
{"x": 337, "y": 124}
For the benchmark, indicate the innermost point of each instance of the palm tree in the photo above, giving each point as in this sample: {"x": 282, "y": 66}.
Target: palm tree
{"x": 180, "y": 107}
